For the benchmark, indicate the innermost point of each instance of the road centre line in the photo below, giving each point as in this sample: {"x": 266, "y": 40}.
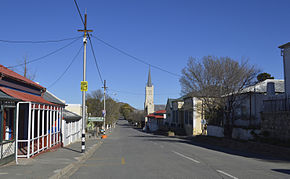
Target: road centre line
{"x": 123, "y": 161}
{"x": 186, "y": 157}
{"x": 227, "y": 174}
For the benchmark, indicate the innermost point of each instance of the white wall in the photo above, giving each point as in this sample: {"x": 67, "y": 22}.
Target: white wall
{"x": 243, "y": 134}
{"x": 71, "y": 132}
{"x": 215, "y": 131}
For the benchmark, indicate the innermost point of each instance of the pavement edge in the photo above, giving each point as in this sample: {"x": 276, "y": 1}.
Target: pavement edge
{"x": 73, "y": 166}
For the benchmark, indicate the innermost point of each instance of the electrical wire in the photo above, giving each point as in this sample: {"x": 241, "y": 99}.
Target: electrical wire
{"x": 91, "y": 44}
{"x": 141, "y": 94}
{"x": 79, "y": 11}
{"x": 95, "y": 59}
{"x": 67, "y": 68}
{"x": 134, "y": 57}
{"x": 40, "y": 58}
{"x": 42, "y": 41}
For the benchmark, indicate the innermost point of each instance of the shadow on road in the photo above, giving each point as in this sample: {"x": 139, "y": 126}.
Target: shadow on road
{"x": 67, "y": 148}
{"x": 232, "y": 147}
{"x": 285, "y": 171}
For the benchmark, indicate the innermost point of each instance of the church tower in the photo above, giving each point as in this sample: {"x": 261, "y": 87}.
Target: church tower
{"x": 149, "y": 94}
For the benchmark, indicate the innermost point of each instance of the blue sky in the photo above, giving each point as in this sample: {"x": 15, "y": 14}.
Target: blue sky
{"x": 162, "y": 32}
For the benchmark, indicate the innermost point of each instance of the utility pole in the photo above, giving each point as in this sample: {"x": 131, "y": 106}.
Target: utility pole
{"x": 84, "y": 85}
{"x": 104, "y": 112}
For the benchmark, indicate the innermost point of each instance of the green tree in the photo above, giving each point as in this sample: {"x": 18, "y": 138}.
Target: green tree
{"x": 95, "y": 104}
{"x": 126, "y": 110}
{"x": 263, "y": 76}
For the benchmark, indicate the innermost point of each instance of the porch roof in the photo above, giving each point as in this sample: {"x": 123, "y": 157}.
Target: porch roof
{"x": 70, "y": 116}
{"x": 4, "y": 96}
{"x": 24, "y": 96}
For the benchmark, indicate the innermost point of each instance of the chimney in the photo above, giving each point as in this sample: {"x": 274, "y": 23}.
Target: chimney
{"x": 270, "y": 89}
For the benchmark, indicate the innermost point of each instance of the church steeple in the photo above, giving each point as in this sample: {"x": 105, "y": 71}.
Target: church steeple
{"x": 149, "y": 95}
{"x": 149, "y": 83}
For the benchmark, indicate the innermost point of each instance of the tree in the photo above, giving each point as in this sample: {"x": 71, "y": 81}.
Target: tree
{"x": 95, "y": 104}
{"x": 136, "y": 116}
{"x": 126, "y": 110}
{"x": 263, "y": 76}
{"x": 217, "y": 81}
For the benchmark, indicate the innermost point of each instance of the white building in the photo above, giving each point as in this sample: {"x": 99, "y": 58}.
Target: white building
{"x": 72, "y": 126}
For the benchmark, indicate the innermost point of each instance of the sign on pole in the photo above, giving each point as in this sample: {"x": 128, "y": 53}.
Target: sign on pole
{"x": 84, "y": 86}
{"x": 104, "y": 112}
{"x": 96, "y": 119}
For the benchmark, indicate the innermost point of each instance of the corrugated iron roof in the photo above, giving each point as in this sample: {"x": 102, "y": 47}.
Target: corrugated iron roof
{"x": 51, "y": 98}
{"x": 4, "y": 96}
{"x": 262, "y": 87}
{"x": 68, "y": 115}
{"x": 9, "y": 73}
{"x": 284, "y": 45}
{"x": 25, "y": 96}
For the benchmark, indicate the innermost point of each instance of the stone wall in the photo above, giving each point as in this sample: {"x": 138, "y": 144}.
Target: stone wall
{"x": 277, "y": 125}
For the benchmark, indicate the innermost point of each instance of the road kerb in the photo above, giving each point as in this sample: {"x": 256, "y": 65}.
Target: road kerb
{"x": 72, "y": 166}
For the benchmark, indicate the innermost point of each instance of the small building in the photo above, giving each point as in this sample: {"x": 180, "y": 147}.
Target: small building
{"x": 155, "y": 120}
{"x": 250, "y": 102}
{"x": 37, "y": 126}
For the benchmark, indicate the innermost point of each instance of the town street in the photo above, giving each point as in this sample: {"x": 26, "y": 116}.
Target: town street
{"x": 130, "y": 153}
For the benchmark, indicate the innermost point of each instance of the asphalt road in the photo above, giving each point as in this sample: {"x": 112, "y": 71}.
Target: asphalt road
{"x": 129, "y": 153}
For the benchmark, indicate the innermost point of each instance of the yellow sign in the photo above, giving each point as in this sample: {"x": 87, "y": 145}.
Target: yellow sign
{"x": 84, "y": 86}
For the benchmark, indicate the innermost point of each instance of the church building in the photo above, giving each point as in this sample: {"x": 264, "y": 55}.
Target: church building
{"x": 149, "y": 96}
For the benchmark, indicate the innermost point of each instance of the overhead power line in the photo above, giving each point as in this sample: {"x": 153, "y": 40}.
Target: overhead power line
{"x": 134, "y": 57}
{"x": 95, "y": 59}
{"x": 79, "y": 12}
{"x": 140, "y": 94}
{"x": 67, "y": 68}
{"x": 41, "y": 41}
{"x": 40, "y": 58}
{"x": 91, "y": 44}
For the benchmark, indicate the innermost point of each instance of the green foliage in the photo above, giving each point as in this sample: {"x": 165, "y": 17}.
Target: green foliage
{"x": 126, "y": 110}
{"x": 95, "y": 104}
{"x": 263, "y": 76}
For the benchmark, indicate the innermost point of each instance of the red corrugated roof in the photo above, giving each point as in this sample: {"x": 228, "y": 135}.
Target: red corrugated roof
{"x": 161, "y": 111}
{"x": 25, "y": 96}
{"x": 7, "y": 72}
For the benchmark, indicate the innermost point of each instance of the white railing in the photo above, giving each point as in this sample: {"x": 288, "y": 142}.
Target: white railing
{"x": 40, "y": 137}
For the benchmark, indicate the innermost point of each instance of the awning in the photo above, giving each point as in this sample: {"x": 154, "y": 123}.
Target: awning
{"x": 70, "y": 116}
{"x": 25, "y": 96}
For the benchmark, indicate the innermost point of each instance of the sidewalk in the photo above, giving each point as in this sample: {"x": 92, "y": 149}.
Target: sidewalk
{"x": 51, "y": 163}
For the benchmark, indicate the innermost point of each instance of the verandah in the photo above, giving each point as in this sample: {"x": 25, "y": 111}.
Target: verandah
{"x": 38, "y": 128}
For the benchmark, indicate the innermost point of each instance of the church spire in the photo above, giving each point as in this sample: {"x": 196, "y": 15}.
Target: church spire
{"x": 149, "y": 83}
